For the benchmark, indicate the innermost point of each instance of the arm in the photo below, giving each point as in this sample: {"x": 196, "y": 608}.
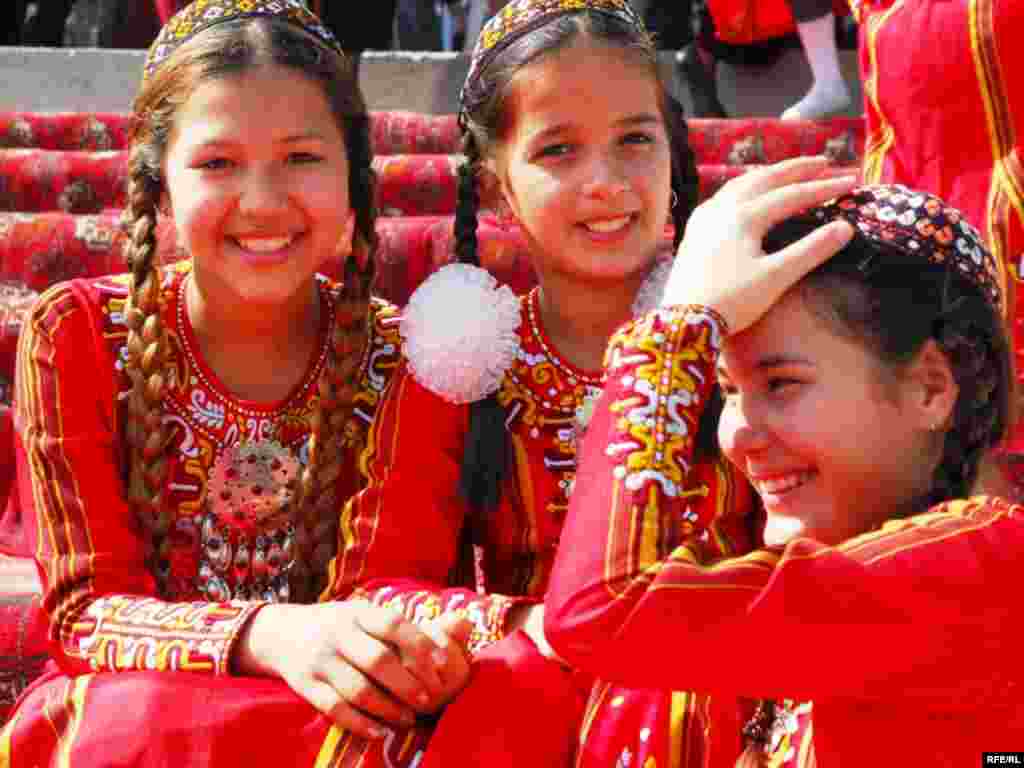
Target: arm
{"x": 399, "y": 537}
{"x": 880, "y": 613}
{"x": 105, "y": 614}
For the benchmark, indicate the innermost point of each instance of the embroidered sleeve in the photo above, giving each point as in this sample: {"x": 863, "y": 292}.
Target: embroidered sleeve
{"x": 911, "y": 608}
{"x": 399, "y": 538}
{"x": 104, "y": 614}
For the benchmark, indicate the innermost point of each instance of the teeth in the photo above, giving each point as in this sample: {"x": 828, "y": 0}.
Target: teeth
{"x": 265, "y": 244}
{"x": 784, "y": 483}
{"x": 608, "y": 225}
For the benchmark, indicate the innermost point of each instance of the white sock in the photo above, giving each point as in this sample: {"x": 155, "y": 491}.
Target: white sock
{"x": 829, "y": 93}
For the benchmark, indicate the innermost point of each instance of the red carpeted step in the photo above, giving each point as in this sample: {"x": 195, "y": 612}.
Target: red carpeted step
{"x": 34, "y": 180}
{"x": 733, "y": 142}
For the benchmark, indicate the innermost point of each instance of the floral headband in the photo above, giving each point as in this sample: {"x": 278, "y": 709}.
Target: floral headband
{"x": 918, "y": 224}
{"x": 522, "y": 16}
{"x": 203, "y": 14}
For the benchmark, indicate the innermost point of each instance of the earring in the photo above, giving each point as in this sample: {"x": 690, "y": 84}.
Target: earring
{"x": 675, "y": 200}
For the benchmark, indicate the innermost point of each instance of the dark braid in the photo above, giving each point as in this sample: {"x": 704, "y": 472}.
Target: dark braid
{"x": 315, "y": 511}
{"x": 485, "y": 455}
{"x": 685, "y": 177}
{"x": 148, "y": 354}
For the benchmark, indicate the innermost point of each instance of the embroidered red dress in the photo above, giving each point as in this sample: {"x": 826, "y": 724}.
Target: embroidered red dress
{"x": 402, "y": 540}
{"x": 231, "y": 462}
{"x": 905, "y": 638}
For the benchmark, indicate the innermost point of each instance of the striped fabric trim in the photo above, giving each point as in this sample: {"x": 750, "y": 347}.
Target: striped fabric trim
{"x": 878, "y": 145}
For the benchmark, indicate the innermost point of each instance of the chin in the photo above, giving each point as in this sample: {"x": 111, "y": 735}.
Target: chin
{"x": 779, "y": 530}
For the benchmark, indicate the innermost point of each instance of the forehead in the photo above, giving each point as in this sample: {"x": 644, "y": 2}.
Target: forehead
{"x": 581, "y": 84}
{"x": 789, "y": 331}
{"x": 265, "y": 103}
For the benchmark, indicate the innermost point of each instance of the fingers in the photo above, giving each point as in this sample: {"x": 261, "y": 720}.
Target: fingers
{"x": 776, "y": 205}
{"x": 457, "y": 628}
{"x": 324, "y": 697}
{"x": 413, "y": 651}
{"x": 796, "y": 260}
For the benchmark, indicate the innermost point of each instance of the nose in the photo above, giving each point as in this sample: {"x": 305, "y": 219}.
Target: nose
{"x": 264, "y": 193}
{"x": 605, "y": 178}
{"x": 740, "y": 433}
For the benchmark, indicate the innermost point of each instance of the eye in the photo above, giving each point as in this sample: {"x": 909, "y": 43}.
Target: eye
{"x": 555, "y": 150}
{"x": 304, "y": 158}
{"x": 638, "y": 137}
{"x": 780, "y": 384}
{"x": 215, "y": 164}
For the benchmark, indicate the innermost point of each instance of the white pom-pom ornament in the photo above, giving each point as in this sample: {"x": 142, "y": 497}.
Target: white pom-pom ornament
{"x": 459, "y": 333}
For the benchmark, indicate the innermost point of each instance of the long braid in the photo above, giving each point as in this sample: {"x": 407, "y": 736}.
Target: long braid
{"x": 147, "y": 349}
{"x": 315, "y": 510}
{"x": 685, "y": 177}
{"x": 485, "y": 456}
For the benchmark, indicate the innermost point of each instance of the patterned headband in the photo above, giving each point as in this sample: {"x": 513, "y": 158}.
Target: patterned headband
{"x": 918, "y": 224}
{"x": 522, "y": 16}
{"x": 203, "y": 14}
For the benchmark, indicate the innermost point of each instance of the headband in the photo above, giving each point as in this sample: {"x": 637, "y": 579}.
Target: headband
{"x": 921, "y": 225}
{"x": 203, "y": 14}
{"x": 520, "y": 17}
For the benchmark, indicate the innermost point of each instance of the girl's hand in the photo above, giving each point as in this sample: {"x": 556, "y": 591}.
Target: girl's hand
{"x": 451, "y": 634}
{"x": 363, "y": 665}
{"x": 721, "y": 263}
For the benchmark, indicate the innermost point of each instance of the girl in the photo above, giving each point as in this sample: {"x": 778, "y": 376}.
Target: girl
{"x": 570, "y": 134}
{"x": 183, "y": 495}
{"x": 860, "y": 396}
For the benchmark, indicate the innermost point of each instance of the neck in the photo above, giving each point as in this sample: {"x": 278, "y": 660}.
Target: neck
{"x": 580, "y": 318}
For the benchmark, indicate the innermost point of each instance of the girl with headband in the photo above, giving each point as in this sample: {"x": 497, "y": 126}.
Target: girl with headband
{"x": 860, "y": 349}
{"x": 570, "y": 134}
{"x": 188, "y": 434}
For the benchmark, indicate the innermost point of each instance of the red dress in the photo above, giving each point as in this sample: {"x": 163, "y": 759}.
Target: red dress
{"x": 949, "y": 118}
{"x": 119, "y": 693}
{"x": 401, "y": 547}
{"x": 905, "y": 638}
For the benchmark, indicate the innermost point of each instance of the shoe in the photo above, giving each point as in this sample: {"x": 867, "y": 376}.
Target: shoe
{"x": 703, "y": 88}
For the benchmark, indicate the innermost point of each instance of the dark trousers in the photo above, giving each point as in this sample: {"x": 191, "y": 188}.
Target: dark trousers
{"x": 809, "y": 10}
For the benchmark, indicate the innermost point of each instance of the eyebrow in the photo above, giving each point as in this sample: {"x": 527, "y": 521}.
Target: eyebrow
{"x": 769, "y": 362}
{"x": 293, "y": 139}
{"x": 644, "y": 118}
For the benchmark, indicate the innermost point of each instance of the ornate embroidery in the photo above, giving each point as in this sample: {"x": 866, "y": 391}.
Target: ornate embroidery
{"x": 119, "y": 633}
{"x": 542, "y": 394}
{"x": 661, "y": 359}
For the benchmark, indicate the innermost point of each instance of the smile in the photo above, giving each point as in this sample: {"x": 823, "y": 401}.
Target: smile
{"x": 778, "y": 486}
{"x": 607, "y": 226}
{"x": 265, "y": 244}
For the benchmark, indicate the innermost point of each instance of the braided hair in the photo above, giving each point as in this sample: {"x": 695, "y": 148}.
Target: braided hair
{"x": 483, "y": 117}
{"x": 224, "y": 50}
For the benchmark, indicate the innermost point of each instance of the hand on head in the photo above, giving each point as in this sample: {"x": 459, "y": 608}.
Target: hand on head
{"x": 363, "y": 665}
{"x": 721, "y": 262}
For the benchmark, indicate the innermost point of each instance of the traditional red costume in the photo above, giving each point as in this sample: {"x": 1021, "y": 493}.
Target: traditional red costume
{"x": 905, "y": 638}
{"x": 230, "y": 547}
{"x": 401, "y": 547}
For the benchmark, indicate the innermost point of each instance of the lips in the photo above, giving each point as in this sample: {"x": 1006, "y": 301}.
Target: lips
{"x": 264, "y": 244}
{"x": 607, "y": 226}
{"x": 779, "y": 485}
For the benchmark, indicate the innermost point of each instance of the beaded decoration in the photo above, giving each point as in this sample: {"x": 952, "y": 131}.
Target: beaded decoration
{"x": 522, "y": 16}
{"x": 918, "y": 224}
{"x": 203, "y": 14}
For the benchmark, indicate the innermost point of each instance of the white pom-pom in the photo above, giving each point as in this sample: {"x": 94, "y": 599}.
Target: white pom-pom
{"x": 459, "y": 333}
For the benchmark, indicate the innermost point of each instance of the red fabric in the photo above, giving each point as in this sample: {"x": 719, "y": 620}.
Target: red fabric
{"x": 895, "y": 634}
{"x": 541, "y": 705}
{"x": 963, "y": 144}
{"x": 22, "y": 644}
{"x": 753, "y": 140}
{"x": 741, "y": 22}
{"x": 167, "y": 8}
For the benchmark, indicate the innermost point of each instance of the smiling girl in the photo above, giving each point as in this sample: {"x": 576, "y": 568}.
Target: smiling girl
{"x": 864, "y": 380}
{"x": 570, "y": 135}
{"x": 188, "y": 433}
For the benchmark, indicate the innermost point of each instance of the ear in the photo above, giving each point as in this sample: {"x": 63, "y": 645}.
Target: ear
{"x": 348, "y": 229}
{"x": 492, "y": 189}
{"x": 933, "y": 387}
